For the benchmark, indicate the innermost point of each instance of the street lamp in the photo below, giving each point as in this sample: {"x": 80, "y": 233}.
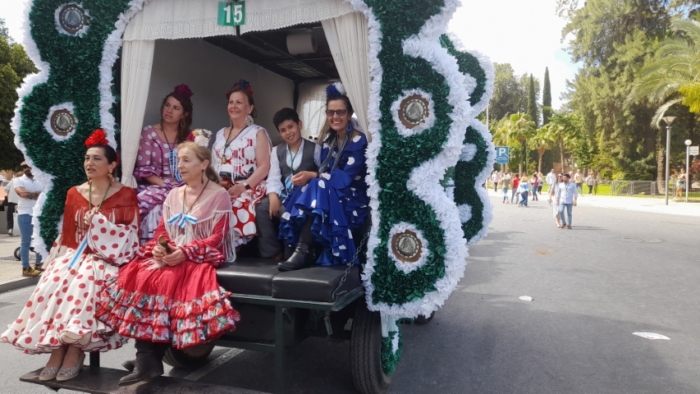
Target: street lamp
{"x": 687, "y": 167}
{"x": 669, "y": 121}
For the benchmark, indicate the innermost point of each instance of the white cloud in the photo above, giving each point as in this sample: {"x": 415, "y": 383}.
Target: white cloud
{"x": 526, "y": 34}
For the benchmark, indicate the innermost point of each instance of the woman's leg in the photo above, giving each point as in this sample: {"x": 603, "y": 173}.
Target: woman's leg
{"x": 299, "y": 259}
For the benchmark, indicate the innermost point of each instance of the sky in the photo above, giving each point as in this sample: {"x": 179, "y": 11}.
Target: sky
{"x": 526, "y": 34}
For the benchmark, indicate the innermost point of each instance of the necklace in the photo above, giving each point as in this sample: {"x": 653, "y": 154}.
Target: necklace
{"x": 172, "y": 156}
{"x": 167, "y": 141}
{"x": 184, "y": 199}
{"x": 228, "y": 142}
{"x": 294, "y": 155}
{"x": 99, "y": 207}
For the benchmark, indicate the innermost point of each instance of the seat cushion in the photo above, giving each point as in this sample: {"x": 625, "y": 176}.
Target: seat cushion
{"x": 248, "y": 275}
{"x": 316, "y": 283}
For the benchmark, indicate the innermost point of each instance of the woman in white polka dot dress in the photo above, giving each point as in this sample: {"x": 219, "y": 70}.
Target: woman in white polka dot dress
{"x": 99, "y": 233}
{"x": 330, "y": 206}
{"x": 156, "y": 163}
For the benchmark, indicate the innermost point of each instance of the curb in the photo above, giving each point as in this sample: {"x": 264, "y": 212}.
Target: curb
{"x": 18, "y": 283}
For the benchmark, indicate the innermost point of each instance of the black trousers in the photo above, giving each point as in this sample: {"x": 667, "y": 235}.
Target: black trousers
{"x": 10, "y": 215}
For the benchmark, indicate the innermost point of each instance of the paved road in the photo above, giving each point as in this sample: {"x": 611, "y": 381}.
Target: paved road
{"x": 617, "y": 272}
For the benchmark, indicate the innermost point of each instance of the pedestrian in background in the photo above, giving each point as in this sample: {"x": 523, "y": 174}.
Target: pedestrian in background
{"x": 515, "y": 183}
{"x": 534, "y": 181}
{"x": 578, "y": 180}
{"x": 566, "y": 200}
{"x": 590, "y": 182}
{"x": 496, "y": 178}
{"x": 680, "y": 184}
{"x": 12, "y": 200}
{"x": 505, "y": 185}
{"x": 552, "y": 193}
{"x": 552, "y": 179}
{"x": 523, "y": 189}
{"x": 28, "y": 190}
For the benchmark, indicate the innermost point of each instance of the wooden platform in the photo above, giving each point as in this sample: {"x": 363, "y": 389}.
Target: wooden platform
{"x": 105, "y": 381}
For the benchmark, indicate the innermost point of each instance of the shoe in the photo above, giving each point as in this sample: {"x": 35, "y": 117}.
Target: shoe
{"x": 49, "y": 373}
{"x": 129, "y": 365}
{"x": 9, "y": 232}
{"x": 69, "y": 373}
{"x": 148, "y": 363}
{"x": 31, "y": 272}
{"x": 569, "y": 227}
{"x": 39, "y": 267}
{"x": 297, "y": 260}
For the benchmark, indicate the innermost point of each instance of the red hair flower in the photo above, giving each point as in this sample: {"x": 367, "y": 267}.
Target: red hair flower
{"x": 98, "y": 137}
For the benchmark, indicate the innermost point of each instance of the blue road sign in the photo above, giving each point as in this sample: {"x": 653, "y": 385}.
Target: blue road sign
{"x": 502, "y": 154}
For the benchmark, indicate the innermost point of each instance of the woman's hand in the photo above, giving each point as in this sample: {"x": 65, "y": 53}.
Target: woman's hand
{"x": 236, "y": 190}
{"x": 155, "y": 180}
{"x": 174, "y": 258}
{"x": 274, "y": 205}
{"x": 89, "y": 215}
{"x": 303, "y": 177}
{"x": 158, "y": 253}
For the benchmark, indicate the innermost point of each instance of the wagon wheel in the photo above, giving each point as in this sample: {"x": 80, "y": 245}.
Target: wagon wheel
{"x": 190, "y": 357}
{"x": 421, "y": 319}
{"x": 365, "y": 352}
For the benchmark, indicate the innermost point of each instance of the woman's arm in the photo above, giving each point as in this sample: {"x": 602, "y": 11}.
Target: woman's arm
{"x": 262, "y": 160}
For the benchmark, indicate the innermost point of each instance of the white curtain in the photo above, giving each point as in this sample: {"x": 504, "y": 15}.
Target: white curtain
{"x": 137, "y": 62}
{"x": 347, "y": 37}
{"x": 174, "y": 19}
{"x": 311, "y": 107}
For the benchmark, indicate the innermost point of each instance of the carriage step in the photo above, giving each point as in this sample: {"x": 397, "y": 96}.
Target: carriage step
{"x": 105, "y": 381}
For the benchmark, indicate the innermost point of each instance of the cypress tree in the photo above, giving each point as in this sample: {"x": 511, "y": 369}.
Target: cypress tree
{"x": 532, "y": 103}
{"x": 546, "y": 98}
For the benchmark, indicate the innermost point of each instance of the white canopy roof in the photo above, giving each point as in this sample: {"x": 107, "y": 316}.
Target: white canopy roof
{"x": 175, "y": 19}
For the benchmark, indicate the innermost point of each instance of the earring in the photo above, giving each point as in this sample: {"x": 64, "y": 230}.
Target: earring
{"x": 249, "y": 120}
{"x": 349, "y": 127}
{"x": 111, "y": 177}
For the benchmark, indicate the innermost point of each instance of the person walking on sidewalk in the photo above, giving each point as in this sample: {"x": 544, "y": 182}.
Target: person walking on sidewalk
{"x": 496, "y": 178}
{"x": 516, "y": 183}
{"x": 566, "y": 200}
{"x": 12, "y": 200}
{"x": 505, "y": 183}
{"x": 552, "y": 179}
{"x": 523, "y": 190}
{"x": 28, "y": 190}
{"x": 578, "y": 180}
{"x": 590, "y": 182}
{"x": 552, "y": 193}
{"x": 535, "y": 182}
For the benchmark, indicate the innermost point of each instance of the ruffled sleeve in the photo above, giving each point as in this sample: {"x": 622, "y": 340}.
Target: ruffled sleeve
{"x": 148, "y": 160}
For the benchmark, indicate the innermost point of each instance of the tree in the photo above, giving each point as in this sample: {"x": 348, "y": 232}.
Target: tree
{"x": 14, "y": 66}
{"x": 510, "y": 92}
{"x": 564, "y": 128}
{"x": 532, "y": 102}
{"x": 546, "y": 98}
{"x": 541, "y": 141}
{"x": 514, "y": 131}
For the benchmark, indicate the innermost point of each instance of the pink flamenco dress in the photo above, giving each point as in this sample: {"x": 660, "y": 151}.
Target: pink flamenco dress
{"x": 159, "y": 158}
{"x": 181, "y": 305}
{"x": 61, "y": 310}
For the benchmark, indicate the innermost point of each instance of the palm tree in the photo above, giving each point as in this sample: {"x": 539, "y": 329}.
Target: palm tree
{"x": 542, "y": 141}
{"x": 518, "y": 127}
{"x": 563, "y": 128}
{"x": 674, "y": 71}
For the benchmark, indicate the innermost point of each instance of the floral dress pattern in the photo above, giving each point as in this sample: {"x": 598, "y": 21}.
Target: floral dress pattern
{"x": 337, "y": 201}
{"x": 61, "y": 310}
{"x": 238, "y": 159}
{"x": 154, "y": 158}
{"x": 183, "y": 304}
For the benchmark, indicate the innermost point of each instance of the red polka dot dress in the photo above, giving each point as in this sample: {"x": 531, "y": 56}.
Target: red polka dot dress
{"x": 237, "y": 160}
{"x": 61, "y": 310}
{"x": 182, "y": 304}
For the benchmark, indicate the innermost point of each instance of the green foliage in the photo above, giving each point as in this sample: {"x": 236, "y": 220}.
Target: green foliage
{"x": 510, "y": 92}
{"x": 546, "y": 98}
{"x": 14, "y": 66}
{"x": 532, "y": 102}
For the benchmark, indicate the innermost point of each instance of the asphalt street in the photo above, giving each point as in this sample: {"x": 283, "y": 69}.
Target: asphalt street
{"x": 616, "y": 273}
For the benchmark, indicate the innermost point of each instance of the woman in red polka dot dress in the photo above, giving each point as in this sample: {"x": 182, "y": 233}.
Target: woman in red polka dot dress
{"x": 99, "y": 233}
{"x": 168, "y": 295}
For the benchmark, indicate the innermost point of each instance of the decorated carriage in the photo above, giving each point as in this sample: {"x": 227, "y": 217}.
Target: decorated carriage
{"x": 416, "y": 93}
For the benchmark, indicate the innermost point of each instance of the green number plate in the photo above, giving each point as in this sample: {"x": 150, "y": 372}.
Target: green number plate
{"x": 232, "y": 14}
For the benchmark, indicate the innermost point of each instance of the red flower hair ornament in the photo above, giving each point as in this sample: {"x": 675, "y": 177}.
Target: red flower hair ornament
{"x": 98, "y": 137}
{"x": 183, "y": 90}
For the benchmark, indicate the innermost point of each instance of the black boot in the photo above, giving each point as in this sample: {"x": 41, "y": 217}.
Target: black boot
{"x": 298, "y": 259}
{"x": 148, "y": 363}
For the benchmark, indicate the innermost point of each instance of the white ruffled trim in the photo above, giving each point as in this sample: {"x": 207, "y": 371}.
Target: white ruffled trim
{"x": 388, "y": 326}
{"x": 488, "y": 68}
{"x": 109, "y": 56}
{"x": 428, "y": 123}
{"x": 481, "y": 179}
{"x": 57, "y": 20}
{"x": 424, "y": 180}
{"x": 468, "y": 152}
{"x": 47, "y": 123}
{"x": 403, "y": 266}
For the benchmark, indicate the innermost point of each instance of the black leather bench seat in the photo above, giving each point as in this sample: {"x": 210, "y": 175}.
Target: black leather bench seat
{"x": 257, "y": 276}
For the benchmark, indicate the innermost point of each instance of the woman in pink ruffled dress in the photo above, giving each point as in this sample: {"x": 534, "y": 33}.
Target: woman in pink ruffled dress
{"x": 156, "y": 164}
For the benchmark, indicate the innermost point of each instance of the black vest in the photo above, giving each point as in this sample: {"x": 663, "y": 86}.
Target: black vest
{"x": 307, "y": 159}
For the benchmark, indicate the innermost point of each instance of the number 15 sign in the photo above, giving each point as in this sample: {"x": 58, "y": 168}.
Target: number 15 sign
{"x": 232, "y": 14}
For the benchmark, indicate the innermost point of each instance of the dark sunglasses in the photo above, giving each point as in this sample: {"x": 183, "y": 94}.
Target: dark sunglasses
{"x": 339, "y": 112}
